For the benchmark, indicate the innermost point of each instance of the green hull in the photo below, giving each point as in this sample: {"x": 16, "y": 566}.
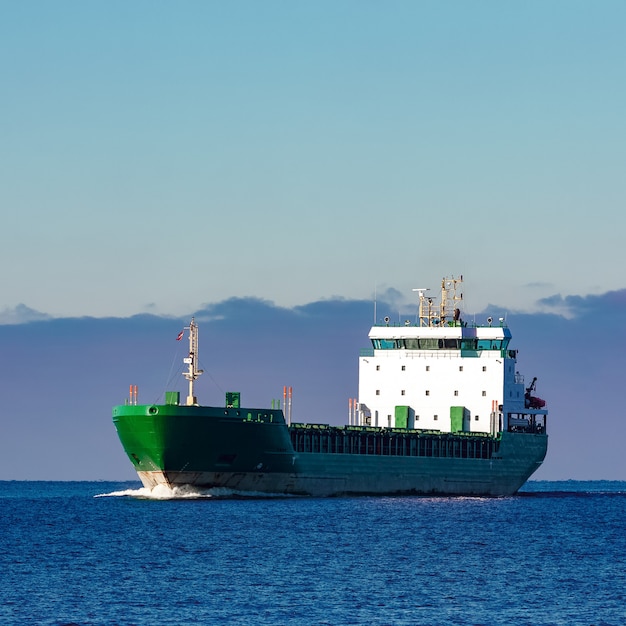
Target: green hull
{"x": 251, "y": 450}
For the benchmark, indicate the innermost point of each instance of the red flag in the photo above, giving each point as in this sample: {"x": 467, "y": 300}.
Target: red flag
{"x": 180, "y": 335}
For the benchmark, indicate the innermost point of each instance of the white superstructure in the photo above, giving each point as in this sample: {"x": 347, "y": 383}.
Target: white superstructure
{"x": 440, "y": 373}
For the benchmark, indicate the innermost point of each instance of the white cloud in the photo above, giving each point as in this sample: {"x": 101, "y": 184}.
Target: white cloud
{"x": 22, "y": 314}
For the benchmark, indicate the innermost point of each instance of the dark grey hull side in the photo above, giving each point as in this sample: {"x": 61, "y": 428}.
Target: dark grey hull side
{"x": 331, "y": 474}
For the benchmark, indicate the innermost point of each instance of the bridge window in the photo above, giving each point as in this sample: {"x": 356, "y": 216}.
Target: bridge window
{"x": 384, "y": 344}
{"x": 492, "y": 344}
{"x": 434, "y": 343}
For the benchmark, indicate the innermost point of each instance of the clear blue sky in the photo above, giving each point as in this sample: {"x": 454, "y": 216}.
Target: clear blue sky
{"x": 155, "y": 156}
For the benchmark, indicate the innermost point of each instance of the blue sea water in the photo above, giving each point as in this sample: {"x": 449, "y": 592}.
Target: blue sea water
{"x": 110, "y": 553}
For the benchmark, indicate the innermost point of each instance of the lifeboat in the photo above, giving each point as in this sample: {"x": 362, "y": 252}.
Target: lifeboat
{"x": 536, "y": 403}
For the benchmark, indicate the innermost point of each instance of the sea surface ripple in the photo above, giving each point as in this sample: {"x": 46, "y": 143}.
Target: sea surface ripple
{"x": 114, "y": 553}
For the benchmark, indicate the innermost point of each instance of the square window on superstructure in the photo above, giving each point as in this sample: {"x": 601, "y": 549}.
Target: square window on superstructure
{"x": 378, "y": 368}
{"x": 484, "y": 393}
{"x": 402, "y": 392}
{"x": 456, "y": 393}
{"x": 378, "y": 392}
{"x": 427, "y": 392}
{"x": 428, "y": 368}
{"x": 435, "y": 417}
{"x": 484, "y": 368}
{"x": 460, "y": 368}
{"x": 403, "y": 368}
{"x": 475, "y": 418}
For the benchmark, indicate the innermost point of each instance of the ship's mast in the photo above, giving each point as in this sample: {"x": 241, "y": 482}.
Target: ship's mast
{"x": 433, "y": 314}
{"x": 450, "y": 299}
{"x": 192, "y": 372}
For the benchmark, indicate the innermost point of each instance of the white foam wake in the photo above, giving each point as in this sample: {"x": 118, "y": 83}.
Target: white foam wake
{"x": 163, "y": 492}
{"x": 186, "y": 492}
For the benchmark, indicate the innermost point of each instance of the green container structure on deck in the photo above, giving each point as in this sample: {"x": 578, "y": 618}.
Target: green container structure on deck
{"x": 403, "y": 417}
{"x": 459, "y": 417}
{"x": 172, "y": 397}
{"x": 233, "y": 399}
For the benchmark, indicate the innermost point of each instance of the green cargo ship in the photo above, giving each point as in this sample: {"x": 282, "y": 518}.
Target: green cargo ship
{"x": 441, "y": 409}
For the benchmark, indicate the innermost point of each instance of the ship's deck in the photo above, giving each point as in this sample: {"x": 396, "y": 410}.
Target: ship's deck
{"x": 319, "y": 438}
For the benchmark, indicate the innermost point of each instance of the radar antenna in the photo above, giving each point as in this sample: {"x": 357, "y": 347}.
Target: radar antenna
{"x": 425, "y": 306}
